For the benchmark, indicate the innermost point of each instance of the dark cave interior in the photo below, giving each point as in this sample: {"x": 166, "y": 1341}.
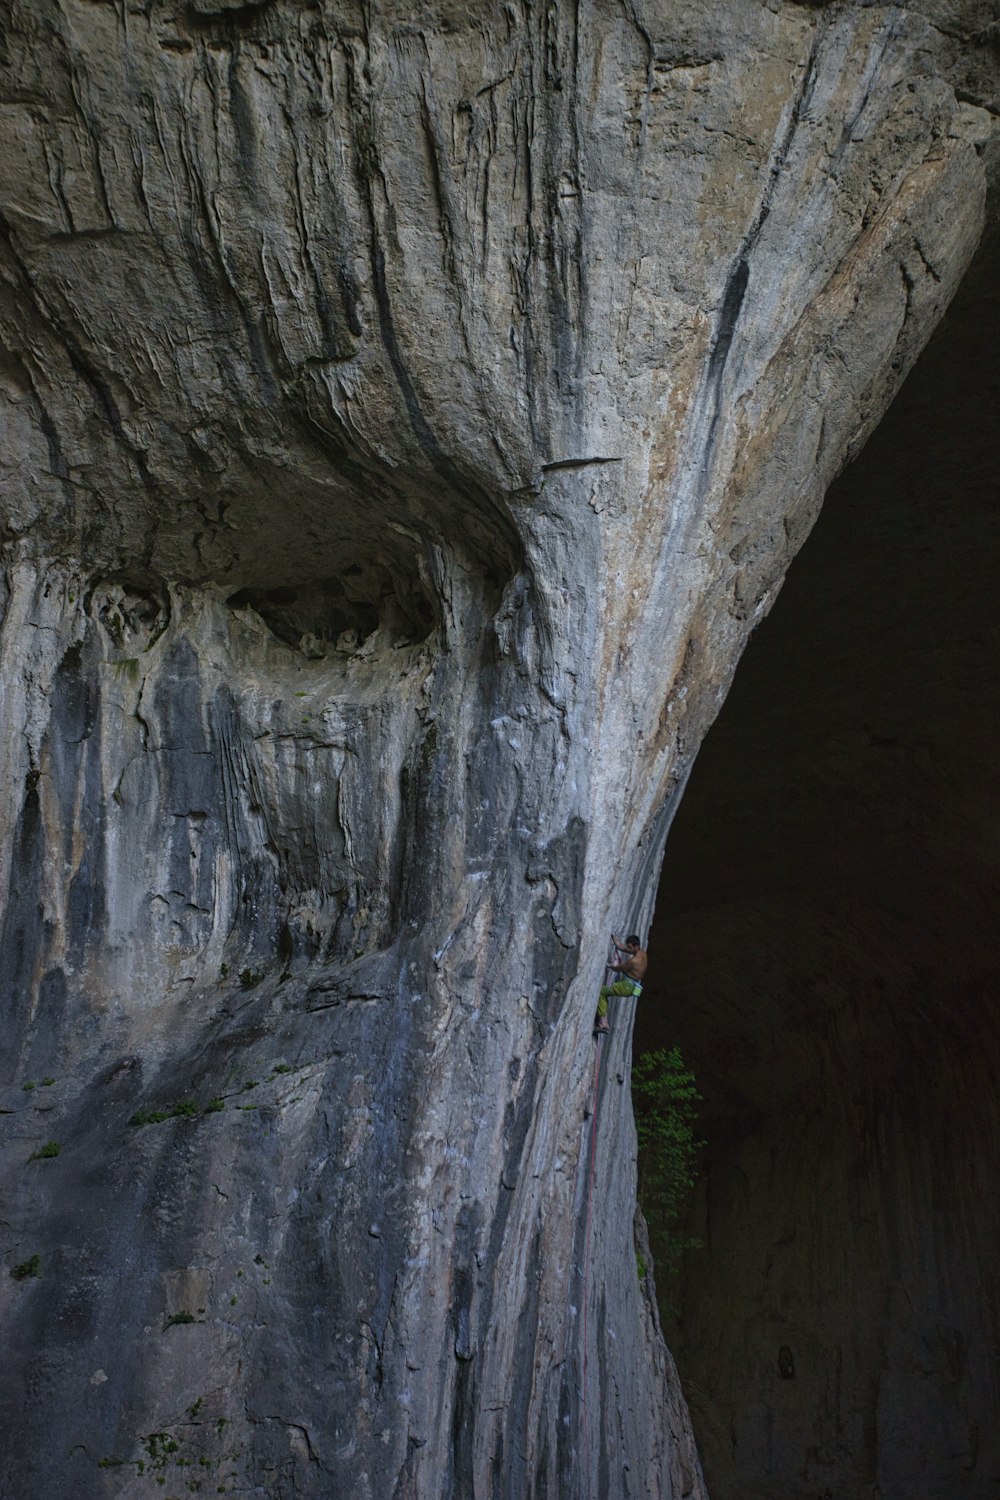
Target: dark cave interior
{"x": 826, "y": 952}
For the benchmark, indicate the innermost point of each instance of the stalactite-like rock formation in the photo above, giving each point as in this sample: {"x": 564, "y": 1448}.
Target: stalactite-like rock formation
{"x": 409, "y": 410}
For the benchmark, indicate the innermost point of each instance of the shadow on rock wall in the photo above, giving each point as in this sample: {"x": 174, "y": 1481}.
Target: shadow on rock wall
{"x": 826, "y": 954}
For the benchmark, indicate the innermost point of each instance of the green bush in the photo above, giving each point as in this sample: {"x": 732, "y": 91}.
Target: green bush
{"x": 179, "y": 1318}
{"x": 665, "y": 1099}
{"x": 44, "y": 1153}
{"x": 149, "y": 1116}
{"x": 184, "y": 1109}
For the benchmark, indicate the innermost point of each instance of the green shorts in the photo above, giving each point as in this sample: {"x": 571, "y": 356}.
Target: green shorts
{"x": 621, "y": 987}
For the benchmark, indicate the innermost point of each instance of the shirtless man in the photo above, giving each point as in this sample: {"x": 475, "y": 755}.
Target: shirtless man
{"x": 633, "y": 968}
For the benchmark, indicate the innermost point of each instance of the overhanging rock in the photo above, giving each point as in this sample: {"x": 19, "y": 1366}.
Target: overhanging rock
{"x": 409, "y": 415}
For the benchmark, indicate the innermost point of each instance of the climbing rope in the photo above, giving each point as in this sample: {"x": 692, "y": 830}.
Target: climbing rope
{"x": 586, "y": 1255}
{"x": 585, "y": 1426}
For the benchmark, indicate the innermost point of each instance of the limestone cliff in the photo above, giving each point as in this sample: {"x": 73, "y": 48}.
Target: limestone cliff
{"x": 828, "y": 908}
{"x": 410, "y": 410}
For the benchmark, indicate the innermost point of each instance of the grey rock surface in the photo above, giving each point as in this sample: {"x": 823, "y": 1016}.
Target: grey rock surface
{"x": 828, "y": 907}
{"x": 410, "y": 410}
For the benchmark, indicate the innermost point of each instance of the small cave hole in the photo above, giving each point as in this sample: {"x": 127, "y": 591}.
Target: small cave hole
{"x": 132, "y": 609}
{"x": 339, "y": 615}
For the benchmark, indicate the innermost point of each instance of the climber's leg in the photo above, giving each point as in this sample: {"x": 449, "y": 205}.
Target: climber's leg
{"x": 601, "y": 1019}
{"x": 621, "y": 988}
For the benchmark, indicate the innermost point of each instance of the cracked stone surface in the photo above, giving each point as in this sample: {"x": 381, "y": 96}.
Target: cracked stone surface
{"x": 408, "y": 416}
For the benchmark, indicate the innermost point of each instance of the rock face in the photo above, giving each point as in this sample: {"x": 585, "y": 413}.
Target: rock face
{"x": 409, "y": 415}
{"x": 827, "y": 955}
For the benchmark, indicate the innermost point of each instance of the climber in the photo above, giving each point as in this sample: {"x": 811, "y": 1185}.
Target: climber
{"x": 633, "y": 969}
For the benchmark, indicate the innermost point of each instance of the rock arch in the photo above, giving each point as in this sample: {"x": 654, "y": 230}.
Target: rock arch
{"x": 556, "y": 321}
{"x": 826, "y": 953}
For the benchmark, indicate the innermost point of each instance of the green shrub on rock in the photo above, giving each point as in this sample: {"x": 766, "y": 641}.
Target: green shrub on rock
{"x": 665, "y": 1098}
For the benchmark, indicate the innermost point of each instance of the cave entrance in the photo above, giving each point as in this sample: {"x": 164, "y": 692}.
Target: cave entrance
{"x": 826, "y": 952}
